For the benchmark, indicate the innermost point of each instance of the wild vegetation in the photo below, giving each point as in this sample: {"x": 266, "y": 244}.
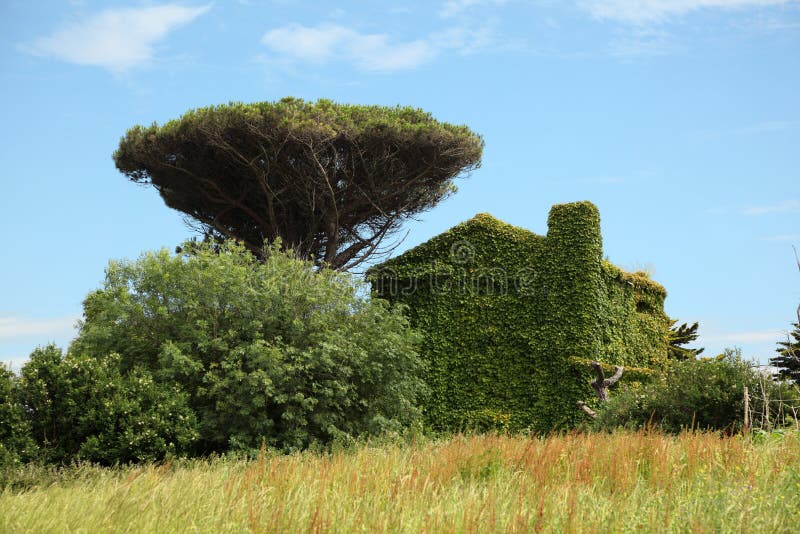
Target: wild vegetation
{"x": 705, "y": 394}
{"x": 617, "y": 482}
{"x": 503, "y": 312}
{"x": 214, "y": 350}
{"x": 237, "y": 386}
{"x": 211, "y": 350}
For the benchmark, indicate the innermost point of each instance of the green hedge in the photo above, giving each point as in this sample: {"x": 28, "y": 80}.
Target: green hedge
{"x": 506, "y": 312}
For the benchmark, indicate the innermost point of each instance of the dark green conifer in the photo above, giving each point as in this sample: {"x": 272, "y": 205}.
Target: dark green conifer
{"x": 680, "y": 336}
{"x": 788, "y": 359}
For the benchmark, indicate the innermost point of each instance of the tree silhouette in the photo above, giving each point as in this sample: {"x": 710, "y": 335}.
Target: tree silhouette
{"x": 332, "y": 181}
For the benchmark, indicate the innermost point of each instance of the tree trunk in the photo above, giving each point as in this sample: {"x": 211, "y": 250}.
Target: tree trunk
{"x": 601, "y": 385}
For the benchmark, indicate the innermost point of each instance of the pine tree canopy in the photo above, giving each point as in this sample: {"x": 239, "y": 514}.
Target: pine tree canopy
{"x": 332, "y": 181}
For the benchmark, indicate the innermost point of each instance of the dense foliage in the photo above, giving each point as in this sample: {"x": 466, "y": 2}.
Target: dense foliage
{"x": 699, "y": 394}
{"x": 331, "y": 180}
{"x": 788, "y": 359}
{"x": 16, "y": 444}
{"x": 504, "y": 312}
{"x": 82, "y": 407}
{"x": 272, "y": 352}
{"x": 681, "y": 335}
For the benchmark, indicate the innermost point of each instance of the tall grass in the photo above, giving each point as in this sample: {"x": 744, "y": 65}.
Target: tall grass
{"x": 621, "y": 482}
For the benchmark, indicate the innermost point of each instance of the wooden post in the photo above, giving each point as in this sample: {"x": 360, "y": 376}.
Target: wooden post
{"x": 746, "y": 411}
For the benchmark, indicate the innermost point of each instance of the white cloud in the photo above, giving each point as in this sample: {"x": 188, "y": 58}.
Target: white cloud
{"x": 758, "y": 344}
{"x": 742, "y": 337}
{"x": 451, "y": 8}
{"x": 768, "y": 127}
{"x": 787, "y": 206}
{"x": 770, "y": 24}
{"x": 783, "y": 238}
{"x": 462, "y": 39}
{"x": 717, "y": 210}
{"x": 373, "y": 52}
{"x": 116, "y": 39}
{"x": 14, "y": 328}
{"x": 642, "y": 42}
{"x": 329, "y": 41}
{"x": 651, "y": 11}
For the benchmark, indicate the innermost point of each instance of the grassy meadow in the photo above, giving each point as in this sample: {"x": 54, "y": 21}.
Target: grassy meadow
{"x": 621, "y": 482}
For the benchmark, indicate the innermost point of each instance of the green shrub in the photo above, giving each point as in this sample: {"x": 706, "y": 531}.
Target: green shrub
{"x": 84, "y": 408}
{"x": 16, "y": 444}
{"x": 699, "y": 394}
{"x": 271, "y": 351}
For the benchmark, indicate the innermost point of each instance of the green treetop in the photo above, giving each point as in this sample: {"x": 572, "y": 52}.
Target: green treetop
{"x": 332, "y": 181}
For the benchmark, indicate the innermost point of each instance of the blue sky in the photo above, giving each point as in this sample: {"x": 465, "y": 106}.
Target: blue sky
{"x": 680, "y": 119}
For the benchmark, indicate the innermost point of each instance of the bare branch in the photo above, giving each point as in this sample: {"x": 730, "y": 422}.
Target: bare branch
{"x": 602, "y": 383}
{"x": 591, "y": 413}
{"x": 796, "y": 257}
{"x": 614, "y": 378}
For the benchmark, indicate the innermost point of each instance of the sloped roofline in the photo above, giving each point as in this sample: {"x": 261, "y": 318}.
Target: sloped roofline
{"x": 639, "y": 280}
{"x": 483, "y": 219}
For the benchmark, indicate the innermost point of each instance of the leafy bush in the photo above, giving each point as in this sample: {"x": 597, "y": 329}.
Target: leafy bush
{"x": 269, "y": 351}
{"x": 700, "y": 394}
{"x": 84, "y": 408}
{"x": 16, "y": 444}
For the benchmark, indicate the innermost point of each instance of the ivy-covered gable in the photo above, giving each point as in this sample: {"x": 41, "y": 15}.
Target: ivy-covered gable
{"x": 507, "y": 316}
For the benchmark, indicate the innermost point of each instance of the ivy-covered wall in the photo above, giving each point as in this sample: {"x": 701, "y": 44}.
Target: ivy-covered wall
{"x": 510, "y": 318}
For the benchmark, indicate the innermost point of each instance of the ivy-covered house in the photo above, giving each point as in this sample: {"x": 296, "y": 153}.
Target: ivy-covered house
{"x": 511, "y": 319}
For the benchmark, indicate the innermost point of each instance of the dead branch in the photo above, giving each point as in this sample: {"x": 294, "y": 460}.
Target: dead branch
{"x": 601, "y": 385}
{"x": 797, "y": 259}
{"x": 591, "y": 413}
